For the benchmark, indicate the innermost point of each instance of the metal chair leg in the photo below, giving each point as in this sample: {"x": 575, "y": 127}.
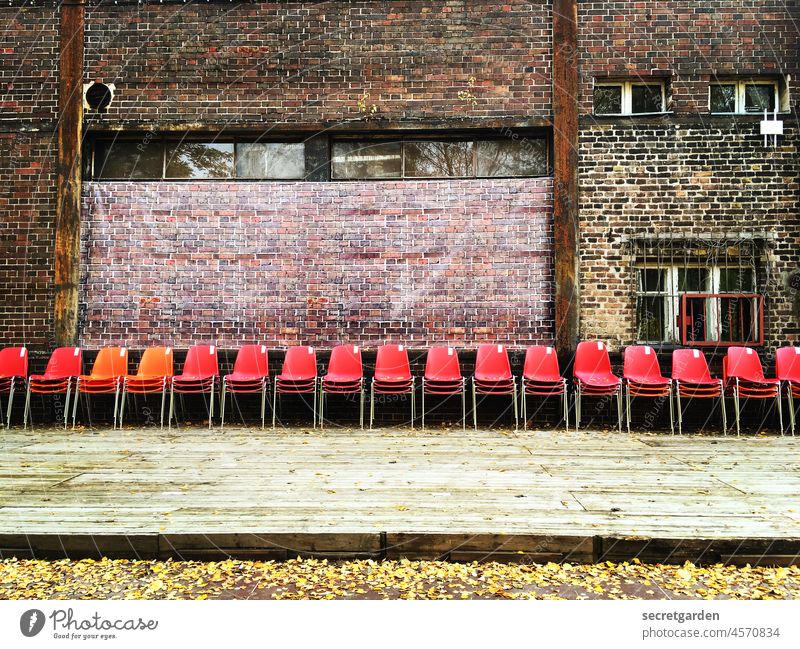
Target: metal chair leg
{"x": 463, "y": 405}
{"x": 514, "y": 399}
{"x": 163, "y": 399}
{"x": 263, "y": 401}
{"x": 274, "y": 403}
{"x": 122, "y": 405}
{"x": 75, "y": 406}
{"x": 680, "y": 410}
{"x": 577, "y": 407}
{"x": 321, "y": 407}
{"x": 26, "y": 412}
{"x": 423, "y": 403}
{"x": 523, "y": 405}
{"x": 372, "y": 404}
{"x": 413, "y": 401}
{"x": 171, "y": 406}
{"x": 10, "y": 403}
{"x": 628, "y": 407}
{"x": 314, "y": 407}
{"x": 671, "y": 414}
{"x": 736, "y": 405}
{"x": 474, "y": 405}
{"x": 116, "y": 404}
{"x": 791, "y": 407}
{"x": 222, "y": 406}
{"x": 66, "y": 405}
{"x": 780, "y": 411}
{"x": 361, "y": 406}
{"x": 724, "y": 413}
{"x": 619, "y": 408}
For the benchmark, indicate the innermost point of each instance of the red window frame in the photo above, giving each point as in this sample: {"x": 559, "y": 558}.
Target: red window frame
{"x": 687, "y": 319}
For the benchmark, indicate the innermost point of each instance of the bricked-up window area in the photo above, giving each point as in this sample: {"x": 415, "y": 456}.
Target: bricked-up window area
{"x": 745, "y": 96}
{"x": 643, "y": 97}
{"x": 697, "y": 291}
{"x": 364, "y": 159}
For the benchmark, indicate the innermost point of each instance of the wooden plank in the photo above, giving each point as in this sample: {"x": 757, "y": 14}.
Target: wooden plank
{"x": 68, "y": 167}
{"x": 565, "y": 173}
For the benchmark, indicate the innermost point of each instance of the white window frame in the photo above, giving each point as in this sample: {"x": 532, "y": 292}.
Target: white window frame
{"x": 741, "y": 85}
{"x": 627, "y": 96}
{"x": 672, "y": 296}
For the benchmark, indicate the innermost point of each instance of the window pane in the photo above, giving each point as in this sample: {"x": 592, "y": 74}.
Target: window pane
{"x": 280, "y": 160}
{"x": 366, "y": 160}
{"x": 757, "y": 97}
{"x": 736, "y": 280}
{"x": 608, "y": 100}
{"x": 650, "y": 318}
{"x": 646, "y": 99}
{"x": 694, "y": 280}
{"x": 139, "y": 159}
{"x": 199, "y": 160}
{"x": 521, "y": 157}
{"x": 438, "y": 159}
{"x": 651, "y": 280}
{"x": 723, "y": 98}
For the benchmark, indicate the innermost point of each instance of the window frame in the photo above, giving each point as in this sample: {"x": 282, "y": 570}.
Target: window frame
{"x": 740, "y": 93}
{"x": 627, "y": 96}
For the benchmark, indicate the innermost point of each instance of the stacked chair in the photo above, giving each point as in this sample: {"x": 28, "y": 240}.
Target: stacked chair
{"x": 250, "y": 376}
{"x": 493, "y": 377}
{"x": 743, "y": 377}
{"x": 108, "y": 372}
{"x": 200, "y": 376}
{"x": 443, "y": 378}
{"x": 593, "y": 377}
{"x": 392, "y": 376}
{"x": 13, "y": 375}
{"x": 345, "y": 376}
{"x": 298, "y": 376}
{"x": 643, "y": 378}
{"x": 153, "y": 376}
{"x": 60, "y": 377}
{"x": 692, "y": 380}
{"x": 541, "y": 377}
{"x": 787, "y": 368}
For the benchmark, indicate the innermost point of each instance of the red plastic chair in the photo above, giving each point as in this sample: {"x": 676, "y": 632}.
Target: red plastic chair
{"x": 250, "y": 376}
{"x": 298, "y": 376}
{"x": 593, "y": 377}
{"x": 692, "y": 380}
{"x": 787, "y": 369}
{"x": 13, "y": 375}
{"x": 743, "y": 376}
{"x": 60, "y": 377}
{"x": 153, "y": 377}
{"x": 108, "y": 371}
{"x": 643, "y": 378}
{"x": 443, "y": 378}
{"x": 200, "y": 376}
{"x": 493, "y": 376}
{"x": 345, "y": 376}
{"x": 541, "y": 377}
{"x": 392, "y": 376}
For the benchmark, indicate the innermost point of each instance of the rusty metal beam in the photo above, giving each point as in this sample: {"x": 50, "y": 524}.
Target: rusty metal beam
{"x": 68, "y": 169}
{"x": 565, "y": 173}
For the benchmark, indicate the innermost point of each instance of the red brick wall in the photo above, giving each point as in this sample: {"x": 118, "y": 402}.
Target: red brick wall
{"x": 461, "y": 261}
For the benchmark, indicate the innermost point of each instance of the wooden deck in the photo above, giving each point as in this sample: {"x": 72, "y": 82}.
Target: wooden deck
{"x": 541, "y": 495}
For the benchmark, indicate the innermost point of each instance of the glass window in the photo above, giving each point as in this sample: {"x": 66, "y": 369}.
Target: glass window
{"x": 693, "y": 280}
{"x": 608, "y": 100}
{"x": 128, "y": 159}
{"x": 274, "y": 160}
{"x": 650, "y": 318}
{"x": 646, "y": 99}
{"x": 723, "y": 98}
{"x": 520, "y": 157}
{"x": 759, "y": 96}
{"x": 353, "y": 160}
{"x": 736, "y": 280}
{"x": 436, "y": 159}
{"x": 199, "y": 160}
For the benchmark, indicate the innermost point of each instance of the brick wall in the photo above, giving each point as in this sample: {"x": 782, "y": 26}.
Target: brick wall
{"x": 461, "y": 261}
{"x": 310, "y": 63}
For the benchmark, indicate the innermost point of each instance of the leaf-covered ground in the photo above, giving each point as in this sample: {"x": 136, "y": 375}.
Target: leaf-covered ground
{"x": 320, "y": 579}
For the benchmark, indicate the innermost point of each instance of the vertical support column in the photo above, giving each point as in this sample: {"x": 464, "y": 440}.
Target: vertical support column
{"x": 68, "y": 165}
{"x": 565, "y": 172}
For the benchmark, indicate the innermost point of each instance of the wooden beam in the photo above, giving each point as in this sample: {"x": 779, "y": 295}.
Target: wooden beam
{"x": 68, "y": 169}
{"x": 565, "y": 173}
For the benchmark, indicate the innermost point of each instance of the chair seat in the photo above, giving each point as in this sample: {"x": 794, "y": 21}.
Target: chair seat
{"x": 598, "y": 380}
{"x": 648, "y": 380}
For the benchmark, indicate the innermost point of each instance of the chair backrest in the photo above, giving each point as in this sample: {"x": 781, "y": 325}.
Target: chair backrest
{"x": 110, "y": 363}
{"x": 541, "y": 364}
{"x": 156, "y": 361}
{"x": 641, "y": 363}
{"x": 442, "y": 365}
{"x": 492, "y": 364}
{"x": 591, "y": 359}
{"x": 14, "y": 361}
{"x": 201, "y": 360}
{"x": 690, "y": 366}
{"x": 391, "y": 363}
{"x": 300, "y": 364}
{"x": 743, "y": 363}
{"x": 787, "y": 364}
{"x": 252, "y": 360}
{"x": 345, "y": 363}
{"x": 64, "y": 362}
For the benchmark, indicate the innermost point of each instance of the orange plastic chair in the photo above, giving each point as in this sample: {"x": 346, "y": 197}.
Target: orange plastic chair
{"x": 250, "y": 376}
{"x": 200, "y": 376}
{"x": 152, "y": 377}
{"x": 643, "y": 378}
{"x": 59, "y": 377}
{"x": 743, "y": 376}
{"x": 13, "y": 374}
{"x": 109, "y": 368}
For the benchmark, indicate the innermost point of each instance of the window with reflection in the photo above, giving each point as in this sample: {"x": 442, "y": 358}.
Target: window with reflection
{"x": 199, "y": 160}
{"x": 128, "y": 159}
{"x": 272, "y": 160}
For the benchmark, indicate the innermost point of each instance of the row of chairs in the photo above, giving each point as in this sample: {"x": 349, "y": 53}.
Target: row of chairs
{"x": 743, "y": 378}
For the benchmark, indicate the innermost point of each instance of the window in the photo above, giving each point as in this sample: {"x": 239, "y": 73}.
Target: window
{"x": 744, "y": 96}
{"x": 629, "y": 97}
{"x": 512, "y": 156}
{"x": 156, "y": 159}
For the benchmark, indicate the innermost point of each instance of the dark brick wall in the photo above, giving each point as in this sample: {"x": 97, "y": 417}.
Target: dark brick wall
{"x": 461, "y": 261}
